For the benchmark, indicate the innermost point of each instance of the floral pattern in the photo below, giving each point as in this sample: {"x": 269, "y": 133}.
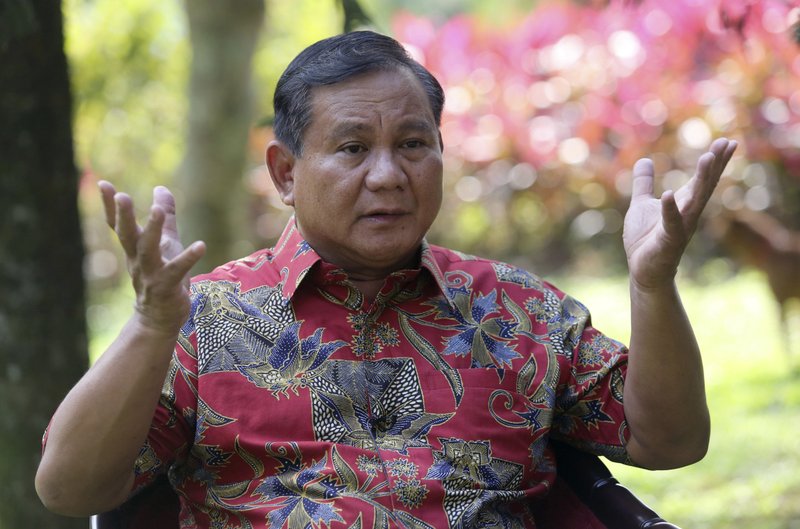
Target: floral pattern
{"x": 292, "y": 402}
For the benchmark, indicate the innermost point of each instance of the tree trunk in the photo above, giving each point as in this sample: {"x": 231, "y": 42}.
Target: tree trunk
{"x": 43, "y": 348}
{"x": 223, "y": 37}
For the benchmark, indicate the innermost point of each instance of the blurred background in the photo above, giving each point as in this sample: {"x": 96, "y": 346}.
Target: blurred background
{"x": 549, "y": 104}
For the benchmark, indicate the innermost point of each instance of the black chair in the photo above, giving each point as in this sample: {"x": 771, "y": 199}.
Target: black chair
{"x": 586, "y": 493}
{"x": 585, "y": 496}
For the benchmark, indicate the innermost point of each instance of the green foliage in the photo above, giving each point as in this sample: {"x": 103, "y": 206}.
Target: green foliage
{"x": 130, "y": 65}
{"x": 492, "y": 11}
{"x": 749, "y": 479}
{"x": 129, "y": 62}
{"x": 285, "y": 36}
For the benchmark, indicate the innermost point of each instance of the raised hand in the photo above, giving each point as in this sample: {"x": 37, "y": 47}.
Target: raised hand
{"x": 157, "y": 262}
{"x": 657, "y": 230}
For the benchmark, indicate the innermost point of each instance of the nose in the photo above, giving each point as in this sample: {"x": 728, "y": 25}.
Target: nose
{"x": 384, "y": 171}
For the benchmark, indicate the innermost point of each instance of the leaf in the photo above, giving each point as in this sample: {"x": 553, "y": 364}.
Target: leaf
{"x": 252, "y": 461}
{"x": 210, "y": 417}
{"x": 520, "y": 316}
{"x": 345, "y": 474}
{"x": 430, "y": 354}
{"x": 525, "y": 376}
{"x": 229, "y": 491}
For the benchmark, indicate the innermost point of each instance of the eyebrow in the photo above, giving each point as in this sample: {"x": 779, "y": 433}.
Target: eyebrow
{"x": 419, "y": 125}
{"x": 350, "y": 128}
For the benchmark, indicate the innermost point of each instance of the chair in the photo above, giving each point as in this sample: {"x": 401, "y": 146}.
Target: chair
{"x": 585, "y": 496}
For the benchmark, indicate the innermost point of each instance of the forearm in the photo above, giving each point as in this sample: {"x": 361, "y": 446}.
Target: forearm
{"x": 665, "y": 403}
{"x": 97, "y": 432}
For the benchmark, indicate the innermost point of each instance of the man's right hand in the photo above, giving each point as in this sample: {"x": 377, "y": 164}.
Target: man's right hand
{"x": 157, "y": 262}
{"x": 96, "y": 434}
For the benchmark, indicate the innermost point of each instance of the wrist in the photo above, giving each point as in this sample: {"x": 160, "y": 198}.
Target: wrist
{"x": 153, "y": 326}
{"x": 647, "y": 283}
{"x": 653, "y": 295}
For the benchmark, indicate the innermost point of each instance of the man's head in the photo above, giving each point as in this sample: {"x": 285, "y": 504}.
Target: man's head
{"x": 332, "y": 61}
{"x": 358, "y": 153}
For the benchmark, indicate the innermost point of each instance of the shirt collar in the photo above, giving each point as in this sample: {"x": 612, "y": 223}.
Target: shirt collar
{"x": 294, "y": 257}
{"x": 429, "y": 263}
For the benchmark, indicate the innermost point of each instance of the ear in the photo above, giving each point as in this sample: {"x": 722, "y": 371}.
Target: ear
{"x": 280, "y": 162}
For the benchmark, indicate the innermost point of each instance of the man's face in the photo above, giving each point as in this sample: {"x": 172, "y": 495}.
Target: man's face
{"x": 369, "y": 182}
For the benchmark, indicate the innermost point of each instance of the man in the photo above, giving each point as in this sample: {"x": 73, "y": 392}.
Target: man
{"x": 355, "y": 375}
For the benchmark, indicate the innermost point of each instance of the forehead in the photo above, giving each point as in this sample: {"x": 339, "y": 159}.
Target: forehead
{"x": 384, "y": 94}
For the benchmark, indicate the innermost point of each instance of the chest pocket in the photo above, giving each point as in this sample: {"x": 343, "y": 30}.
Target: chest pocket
{"x": 486, "y": 404}
{"x": 492, "y": 437}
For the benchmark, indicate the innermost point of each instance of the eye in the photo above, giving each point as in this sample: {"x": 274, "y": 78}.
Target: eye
{"x": 353, "y": 148}
{"x": 413, "y": 144}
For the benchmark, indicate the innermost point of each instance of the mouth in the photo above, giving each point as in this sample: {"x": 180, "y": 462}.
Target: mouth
{"x": 385, "y": 213}
{"x": 384, "y": 216}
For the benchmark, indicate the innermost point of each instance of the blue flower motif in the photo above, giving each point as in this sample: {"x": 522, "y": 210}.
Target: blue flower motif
{"x": 305, "y": 492}
{"x": 478, "y": 334}
{"x": 291, "y": 361}
{"x": 302, "y": 248}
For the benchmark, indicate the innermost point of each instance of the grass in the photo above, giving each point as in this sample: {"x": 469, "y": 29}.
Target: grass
{"x": 750, "y": 478}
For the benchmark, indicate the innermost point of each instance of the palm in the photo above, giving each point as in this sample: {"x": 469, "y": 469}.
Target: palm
{"x": 657, "y": 230}
{"x": 157, "y": 262}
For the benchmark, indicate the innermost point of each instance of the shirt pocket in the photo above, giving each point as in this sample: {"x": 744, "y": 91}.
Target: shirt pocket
{"x": 485, "y": 405}
{"x": 494, "y": 430}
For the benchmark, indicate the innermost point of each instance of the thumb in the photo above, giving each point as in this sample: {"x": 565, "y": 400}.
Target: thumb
{"x": 643, "y": 176}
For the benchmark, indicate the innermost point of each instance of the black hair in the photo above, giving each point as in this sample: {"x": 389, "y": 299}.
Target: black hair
{"x": 331, "y": 61}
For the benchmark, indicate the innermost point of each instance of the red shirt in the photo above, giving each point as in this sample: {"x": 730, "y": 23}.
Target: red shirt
{"x": 292, "y": 402}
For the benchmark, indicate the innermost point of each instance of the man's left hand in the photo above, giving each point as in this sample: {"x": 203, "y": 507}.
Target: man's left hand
{"x": 657, "y": 230}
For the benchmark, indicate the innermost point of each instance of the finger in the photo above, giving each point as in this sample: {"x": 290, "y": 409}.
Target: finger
{"x": 694, "y": 196}
{"x": 643, "y": 176}
{"x": 719, "y": 145}
{"x": 178, "y": 268}
{"x": 163, "y": 198}
{"x": 149, "y": 246}
{"x": 107, "y": 193}
{"x": 704, "y": 177}
{"x": 723, "y": 150}
{"x": 671, "y": 217}
{"x": 706, "y": 168}
{"x": 125, "y": 224}
{"x": 728, "y": 154}
{"x": 718, "y": 148}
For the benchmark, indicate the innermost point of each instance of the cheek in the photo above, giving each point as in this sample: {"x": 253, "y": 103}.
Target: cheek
{"x": 434, "y": 203}
{"x": 429, "y": 186}
{"x": 328, "y": 202}
{"x": 318, "y": 185}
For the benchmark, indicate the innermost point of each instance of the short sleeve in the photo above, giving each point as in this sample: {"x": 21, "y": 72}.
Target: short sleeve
{"x": 172, "y": 430}
{"x": 589, "y": 411}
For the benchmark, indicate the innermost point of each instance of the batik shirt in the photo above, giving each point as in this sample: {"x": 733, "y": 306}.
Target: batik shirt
{"x": 294, "y": 402}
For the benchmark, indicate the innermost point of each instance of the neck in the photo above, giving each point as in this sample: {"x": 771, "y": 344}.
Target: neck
{"x": 368, "y": 287}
